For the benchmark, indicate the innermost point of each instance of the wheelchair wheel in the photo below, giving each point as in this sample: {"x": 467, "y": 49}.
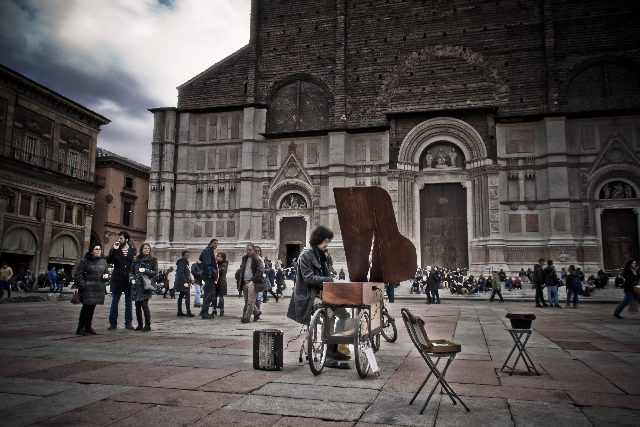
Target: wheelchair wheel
{"x": 316, "y": 341}
{"x": 361, "y": 343}
{"x": 389, "y": 330}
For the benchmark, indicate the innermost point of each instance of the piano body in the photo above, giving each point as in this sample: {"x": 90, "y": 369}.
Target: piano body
{"x": 375, "y": 251}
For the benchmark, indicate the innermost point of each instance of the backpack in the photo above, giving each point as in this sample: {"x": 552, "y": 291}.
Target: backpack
{"x": 196, "y": 270}
{"x": 550, "y": 276}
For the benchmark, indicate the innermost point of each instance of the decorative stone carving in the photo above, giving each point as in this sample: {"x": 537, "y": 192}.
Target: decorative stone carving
{"x": 293, "y": 201}
{"x": 617, "y": 190}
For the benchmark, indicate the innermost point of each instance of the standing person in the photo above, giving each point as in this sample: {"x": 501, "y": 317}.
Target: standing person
{"x": 251, "y": 282}
{"x": 121, "y": 256}
{"x": 551, "y": 282}
{"x": 280, "y": 285}
{"x": 169, "y": 281}
{"x": 631, "y": 276}
{"x": 210, "y": 276}
{"x": 312, "y": 272}
{"x": 182, "y": 284}
{"x": 341, "y": 275}
{"x": 496, "y": 285}
{"x": 6, "y": 273}
{"x": 221, "y": 284}
{"x": 27, "y": 281}
{"x": 390, "y": 288}
{"x": 538, "y": 282}
{"x": 432, "y": 286}
{"x": 90, "y": 277}
{"x": 574, "y": 285}
{"x": 196, "y": 272}
{"x": 143, "y": 265}
{"x": 52, "y": 275}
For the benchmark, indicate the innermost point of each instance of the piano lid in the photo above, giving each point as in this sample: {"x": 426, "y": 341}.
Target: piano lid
{"x": 374, "y": 248}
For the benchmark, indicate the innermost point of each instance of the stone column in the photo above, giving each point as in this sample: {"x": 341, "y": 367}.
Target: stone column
{"x": 50, "y": 203}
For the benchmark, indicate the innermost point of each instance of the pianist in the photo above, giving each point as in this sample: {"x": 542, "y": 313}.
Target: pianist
{"x": 311, "y": 273}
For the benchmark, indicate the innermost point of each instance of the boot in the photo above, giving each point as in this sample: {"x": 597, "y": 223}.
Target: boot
{"x": 245, "y": 320}
{"x": 90, "y": 330}
{"x": 190, "y": 314}
{"x": 221, "y": 313}
{"x": 81, "y": 332}
{"x": 146, "y": 328}
{"x": 256, "y": 316}
{"x": 180, "y": 314}
{"x": 139, "y": 327}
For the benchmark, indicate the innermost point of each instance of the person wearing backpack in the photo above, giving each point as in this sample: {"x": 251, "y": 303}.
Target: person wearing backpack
{"x": 551, "y": 282}
{"x": 196, "y": 272}
{"x": 210, "y": 277}
{"x": 574, "y": 285}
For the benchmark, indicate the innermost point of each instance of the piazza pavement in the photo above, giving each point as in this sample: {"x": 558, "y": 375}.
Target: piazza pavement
{"x": 189, "y": 371}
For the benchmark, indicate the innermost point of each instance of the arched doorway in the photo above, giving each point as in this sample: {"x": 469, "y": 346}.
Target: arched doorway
{"x": 619, "y": 225}
{"x": 443, "y": 226}
{"x": 64, "y": 253}
{"x": 293, "y": 231}
{"x": 19, "y": 249}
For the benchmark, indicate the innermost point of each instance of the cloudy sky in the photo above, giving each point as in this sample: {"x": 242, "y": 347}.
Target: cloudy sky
{"x": 120, "y": 57}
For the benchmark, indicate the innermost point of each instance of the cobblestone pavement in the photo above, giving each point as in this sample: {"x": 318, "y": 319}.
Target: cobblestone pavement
{"x": 189, "y": 371}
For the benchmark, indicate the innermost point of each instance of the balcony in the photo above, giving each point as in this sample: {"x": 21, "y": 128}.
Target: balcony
{"x": 49, "y": 164}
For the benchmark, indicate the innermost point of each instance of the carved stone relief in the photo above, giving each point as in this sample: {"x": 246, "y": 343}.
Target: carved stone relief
{"x": 617, "y": 190}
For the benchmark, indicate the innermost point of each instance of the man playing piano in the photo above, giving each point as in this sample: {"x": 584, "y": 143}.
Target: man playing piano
{"x": 312, "y": 271}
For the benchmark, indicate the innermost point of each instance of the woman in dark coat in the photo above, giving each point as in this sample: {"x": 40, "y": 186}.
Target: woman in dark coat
{"x": 90, "y": 276}
{"x": 182, "y": 284}
{"x": 221, "y": 284}
{"x": 143, "y": 265}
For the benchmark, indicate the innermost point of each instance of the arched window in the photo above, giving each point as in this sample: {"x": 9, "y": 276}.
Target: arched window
{"x": 300, "y": 105}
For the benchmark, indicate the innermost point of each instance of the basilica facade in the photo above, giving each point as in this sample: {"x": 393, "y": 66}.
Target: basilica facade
{"x": 504, "y": 132}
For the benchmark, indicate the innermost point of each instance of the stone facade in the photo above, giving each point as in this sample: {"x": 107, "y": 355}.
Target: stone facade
{"x": 510, "y": 110}
{"x": 121, "y": 200}
{"x": 47, "y": 188}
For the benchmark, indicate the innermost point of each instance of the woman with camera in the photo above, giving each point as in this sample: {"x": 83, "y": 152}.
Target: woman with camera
{"x": 144, "y": 270}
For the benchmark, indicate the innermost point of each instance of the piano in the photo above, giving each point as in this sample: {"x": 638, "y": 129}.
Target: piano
{"x": 375, "y": 251}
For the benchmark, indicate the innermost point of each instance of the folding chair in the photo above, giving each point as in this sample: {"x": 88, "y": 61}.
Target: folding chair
{"x": 429, "y": 349}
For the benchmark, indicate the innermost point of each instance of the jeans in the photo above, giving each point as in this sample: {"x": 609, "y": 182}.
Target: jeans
{"x": 113, "y": 312}
{"x": 197, "y": 290}
{"x": 209, "y": 296}
{"x": 5, "y": 285}
{"x": 571, "y": 291}
{"x": 53, "y": 287}
{"x": 628, "y": 296}
{"x": 552, "y": 295}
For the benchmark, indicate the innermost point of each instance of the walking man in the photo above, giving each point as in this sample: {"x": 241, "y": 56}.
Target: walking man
{"x": 496, "y": 285}
{"x": 538, "y": 282}
{"x": 209, "y": 276}
{"x": 121, "y": 256}
{"x": 252, "y": 281}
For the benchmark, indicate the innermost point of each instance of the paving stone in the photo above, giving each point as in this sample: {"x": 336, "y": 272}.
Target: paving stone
{"x": 191, "y": 379}
{"x": 481, "y": 390}
{"x": 484, "y": 411}
{"x": 334, "y": 377}
{"x": 225, "y": 417}
{"x": 32, "y": 387}
{"x": 309, "y": 422}
{"x": 52, "y": 405}
{"x": 132, "y": 374}
{"x": 159, "y": 415}
{"x": 8, "y": 400}
{"x": 61, "y": 371}
{"x": 100, "y": 413}
{"x": 19, "y": 365}
{"x": 394, "y": 409}
{"x": 334, "y": 394}
{"x": 584, "y": 398}
{"x": 299, "y": 407}
{"x": 173, "y": 397}
{"x": 540, "y": 413}
{"x": 241, "y": 382}
{"x": 605, "y": 417}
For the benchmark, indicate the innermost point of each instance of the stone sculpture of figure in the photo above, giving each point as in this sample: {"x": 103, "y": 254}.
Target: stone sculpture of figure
{"x": 628, "y": 191}
{"x": 453, "y": 155}
{"x": 441, "y": 161}
{"x": 618, "y": 191}
{"x": 429, "y": 159}
{"x": 607, "y": 191}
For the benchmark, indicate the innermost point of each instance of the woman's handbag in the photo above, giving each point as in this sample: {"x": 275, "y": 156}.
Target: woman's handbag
{"x": 75, "y": 298}
{"x": 146, "y": 283}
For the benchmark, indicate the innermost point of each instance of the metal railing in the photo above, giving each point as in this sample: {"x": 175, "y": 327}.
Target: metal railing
{"x": 49, "y": 163}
